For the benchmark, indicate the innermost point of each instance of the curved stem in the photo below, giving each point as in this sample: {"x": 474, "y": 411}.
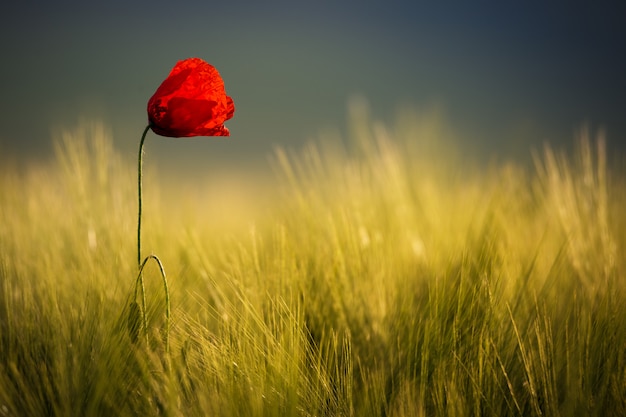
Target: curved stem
{"x": 139, "y": 191}
{"x": 139, "y": 283}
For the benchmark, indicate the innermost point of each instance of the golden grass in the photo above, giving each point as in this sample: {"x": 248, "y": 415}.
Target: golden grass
{"x": 382, "y": 274}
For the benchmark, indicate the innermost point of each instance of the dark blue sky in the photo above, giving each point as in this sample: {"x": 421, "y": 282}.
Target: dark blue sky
{"x": 508, "y": 75}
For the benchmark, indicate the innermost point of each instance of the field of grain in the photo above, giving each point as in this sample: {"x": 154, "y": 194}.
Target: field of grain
{"x": 380, "y": 274}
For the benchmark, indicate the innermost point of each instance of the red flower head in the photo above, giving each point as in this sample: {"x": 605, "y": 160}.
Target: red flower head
{"x": 191, "y": 101}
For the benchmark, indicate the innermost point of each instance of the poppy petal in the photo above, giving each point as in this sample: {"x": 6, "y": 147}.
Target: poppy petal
{"x": 191, "y": 101}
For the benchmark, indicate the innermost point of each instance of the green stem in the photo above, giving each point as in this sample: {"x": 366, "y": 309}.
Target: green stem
{"x": 139, "y": 284}
{"x": 139, "y": 181}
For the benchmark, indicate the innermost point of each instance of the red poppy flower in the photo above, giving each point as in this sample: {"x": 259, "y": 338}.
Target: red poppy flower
{"x": 191, "y": 101}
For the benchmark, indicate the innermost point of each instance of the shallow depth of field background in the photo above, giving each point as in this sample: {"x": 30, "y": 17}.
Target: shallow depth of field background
{"x": 420, "y": 211}
{"x": 385, "y": 272}
{"x": 506, "y": 76}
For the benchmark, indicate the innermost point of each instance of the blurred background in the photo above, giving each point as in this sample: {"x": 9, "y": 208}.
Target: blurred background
{"x": 505, "y": 76}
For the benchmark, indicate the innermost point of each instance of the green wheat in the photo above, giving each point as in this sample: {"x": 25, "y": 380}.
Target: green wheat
{"x": 376, "y": 274}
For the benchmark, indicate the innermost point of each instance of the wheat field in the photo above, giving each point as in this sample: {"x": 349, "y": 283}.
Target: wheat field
{"x": 383, "y": 274}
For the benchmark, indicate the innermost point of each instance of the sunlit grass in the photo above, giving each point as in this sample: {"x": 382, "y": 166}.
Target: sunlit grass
{"x": 381, "y": 274}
